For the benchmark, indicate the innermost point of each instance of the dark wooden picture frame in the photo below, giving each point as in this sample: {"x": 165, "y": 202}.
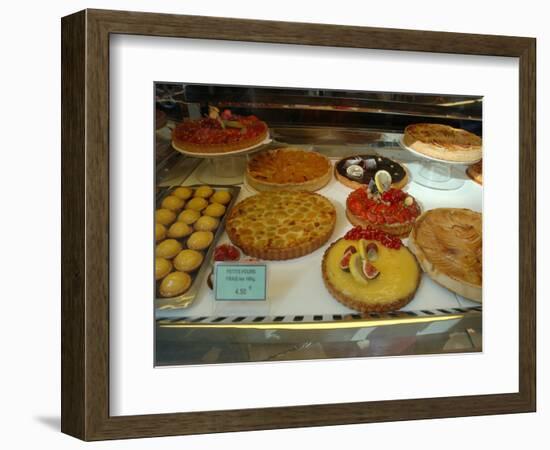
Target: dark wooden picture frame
{"x": 85, "y": 224}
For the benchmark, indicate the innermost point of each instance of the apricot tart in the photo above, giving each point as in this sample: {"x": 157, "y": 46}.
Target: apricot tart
{"x": 358, "y": 171}
{"x": 393, "y": 211}
{"x": 443, "y": 142}
{"x": 448, "y": 245}
{"x": 288, "y": 169}
{"x": 370, "y": 271}
{"x": 277, "y": 225}
{"x": 222, "y": 134}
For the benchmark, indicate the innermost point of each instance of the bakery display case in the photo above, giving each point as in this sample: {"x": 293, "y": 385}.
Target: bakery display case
{"x": 315, "y": 223}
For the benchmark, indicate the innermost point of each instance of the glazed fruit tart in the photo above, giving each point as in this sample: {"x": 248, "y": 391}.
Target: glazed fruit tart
{"x": 225, "y": 133}
{"x": 392, "y": 211}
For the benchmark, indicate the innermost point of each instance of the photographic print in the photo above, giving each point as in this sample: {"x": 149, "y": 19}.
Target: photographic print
{"x": 310, "y": 223}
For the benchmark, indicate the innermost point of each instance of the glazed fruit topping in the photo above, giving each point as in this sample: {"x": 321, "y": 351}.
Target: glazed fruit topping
{"x": 226, "y": 252}
{"x": 392, "y": 206}
{"x": 370, "y": 271}
{"x": 372, "y": 251}
{"x": 357, "y": 269}
{"x": 372, "y": 234}
{"x": 344, "y": 263}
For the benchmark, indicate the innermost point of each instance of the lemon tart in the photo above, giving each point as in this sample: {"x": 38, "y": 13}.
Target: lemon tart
{"x": 370, "y": 271}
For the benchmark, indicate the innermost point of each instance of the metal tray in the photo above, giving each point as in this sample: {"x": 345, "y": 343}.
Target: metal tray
{"x": 186, "y": 299}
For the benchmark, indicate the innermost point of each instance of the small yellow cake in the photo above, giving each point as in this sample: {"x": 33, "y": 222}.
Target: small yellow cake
{"x": 168, "y": 249}
{"x": 204, "y": 192}
{"x": 222, "y": 197}
{"x": 183, "y": 192}
{"x": 175, "y": 283}
{"x": 200, "y": 240}
{"x": 173, "y": 203}
{"x": 160, "y": 232}
{"x": 179, "y": 229}
{"x": 214, "y": 210}
{"x": 165, "y": 216}
{"x": 188, "y": 260}
{"x": 189, "y": 216}
{"x": 162, "y": 268}
{"x": 197, "y": 204}
{"x": 206, "y": 223}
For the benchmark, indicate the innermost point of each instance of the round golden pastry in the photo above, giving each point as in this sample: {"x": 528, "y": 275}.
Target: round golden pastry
{"x": 178, "y": 230}
{"x": 168, "y": 248}
{"x": 183, "y": 192}
{"x": 160, "y": 231}
{"x": 188, "y": 260}
{"x": 200, "y": 240}
{"x": 288, "y": 168}
{"x": 206, "y": 223}
{"x": 278, "y": 225}
{"x": 162, "y": 268}
{"x": 443, "y": 142}
{"x": 189, "y": 216}
{"x": 172, "y": 202}
{"x": 165, "y": 216}
{"x": 214, "y": 210}
{"x": 204, "y": 191}
{"x": 197, "y": 204}
{"x": 222, "y": 197}
{"x": 175, "y": 283}
{"x": 448, "y": 244}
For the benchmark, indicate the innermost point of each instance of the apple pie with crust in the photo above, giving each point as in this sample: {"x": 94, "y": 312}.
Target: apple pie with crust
{"x": 448, "y": 245}
{"x": 443, "y": 142}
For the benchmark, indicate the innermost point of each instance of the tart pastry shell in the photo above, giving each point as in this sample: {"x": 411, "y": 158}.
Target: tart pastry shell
{"x": 310, "y": 185}
{"x": 361, "y": 305}
{"x": 395, "y": 229}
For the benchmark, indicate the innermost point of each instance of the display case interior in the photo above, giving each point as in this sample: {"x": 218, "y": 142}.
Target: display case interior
{"x": 364, "y": 207}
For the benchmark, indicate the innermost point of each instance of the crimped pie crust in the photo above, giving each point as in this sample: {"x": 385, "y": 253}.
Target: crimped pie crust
{"x": 311, "y": 185}
{"x": 475, "y": 172}
{"x": 364, "y": 306}
{"x": 395, "y": 229}
{"x": 443, "y": 142}
{"x": 298, "y": 222}
{"x": 434, "y": 270}
{"x": 220, "y": 148}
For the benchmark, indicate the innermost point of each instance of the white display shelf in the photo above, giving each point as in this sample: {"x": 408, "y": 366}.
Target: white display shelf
{"x": 295, "y": 287}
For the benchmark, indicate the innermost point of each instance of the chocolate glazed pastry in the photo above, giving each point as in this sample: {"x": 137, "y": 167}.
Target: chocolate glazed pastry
{"x": 357, "y": 171}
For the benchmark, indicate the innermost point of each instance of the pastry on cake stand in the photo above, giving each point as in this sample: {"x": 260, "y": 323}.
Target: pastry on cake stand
{"x": 223, "y": 168}
{"x": 436, "y": 173}
{"x": 223, "y": 140}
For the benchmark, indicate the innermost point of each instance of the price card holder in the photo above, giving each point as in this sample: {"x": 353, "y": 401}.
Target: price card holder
{"x": 240, "y": 289}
